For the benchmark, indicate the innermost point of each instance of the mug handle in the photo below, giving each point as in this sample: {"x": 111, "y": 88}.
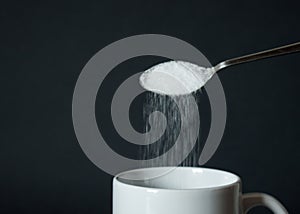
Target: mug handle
{"x": 251, "y": 200}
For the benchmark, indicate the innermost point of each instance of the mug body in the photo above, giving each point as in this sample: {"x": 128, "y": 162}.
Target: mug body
{"x": 168, "y": 190}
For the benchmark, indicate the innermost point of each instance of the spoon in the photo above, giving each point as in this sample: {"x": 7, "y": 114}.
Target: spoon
{"x": 180, "y": 77}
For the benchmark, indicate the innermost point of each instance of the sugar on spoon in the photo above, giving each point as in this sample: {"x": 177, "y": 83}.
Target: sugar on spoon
{"x": 181, "y": 77}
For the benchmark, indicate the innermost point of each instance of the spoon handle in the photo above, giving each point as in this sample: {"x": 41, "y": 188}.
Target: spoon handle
{"x": 260, "y": 55}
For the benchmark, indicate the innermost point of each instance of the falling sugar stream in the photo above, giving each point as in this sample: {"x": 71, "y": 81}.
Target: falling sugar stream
{"x": 175, "y": 123}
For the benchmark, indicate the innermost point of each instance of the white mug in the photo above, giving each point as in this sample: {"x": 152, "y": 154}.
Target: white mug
{"x": 185, "y": 190}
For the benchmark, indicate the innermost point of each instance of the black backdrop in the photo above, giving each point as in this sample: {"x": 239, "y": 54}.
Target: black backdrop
{"x": 44, "y": 45}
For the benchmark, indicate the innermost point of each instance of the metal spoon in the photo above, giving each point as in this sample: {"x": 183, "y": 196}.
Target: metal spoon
{"x": 192, "y": 78}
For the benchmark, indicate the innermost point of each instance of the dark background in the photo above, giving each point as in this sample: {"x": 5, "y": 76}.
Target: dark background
{"x": 44, "y": 45}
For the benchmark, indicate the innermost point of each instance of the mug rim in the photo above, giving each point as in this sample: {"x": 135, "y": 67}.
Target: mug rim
{"x": 237, "y": 180}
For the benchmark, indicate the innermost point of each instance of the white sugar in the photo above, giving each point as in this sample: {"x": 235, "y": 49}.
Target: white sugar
{"x": 175, "y": 78}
